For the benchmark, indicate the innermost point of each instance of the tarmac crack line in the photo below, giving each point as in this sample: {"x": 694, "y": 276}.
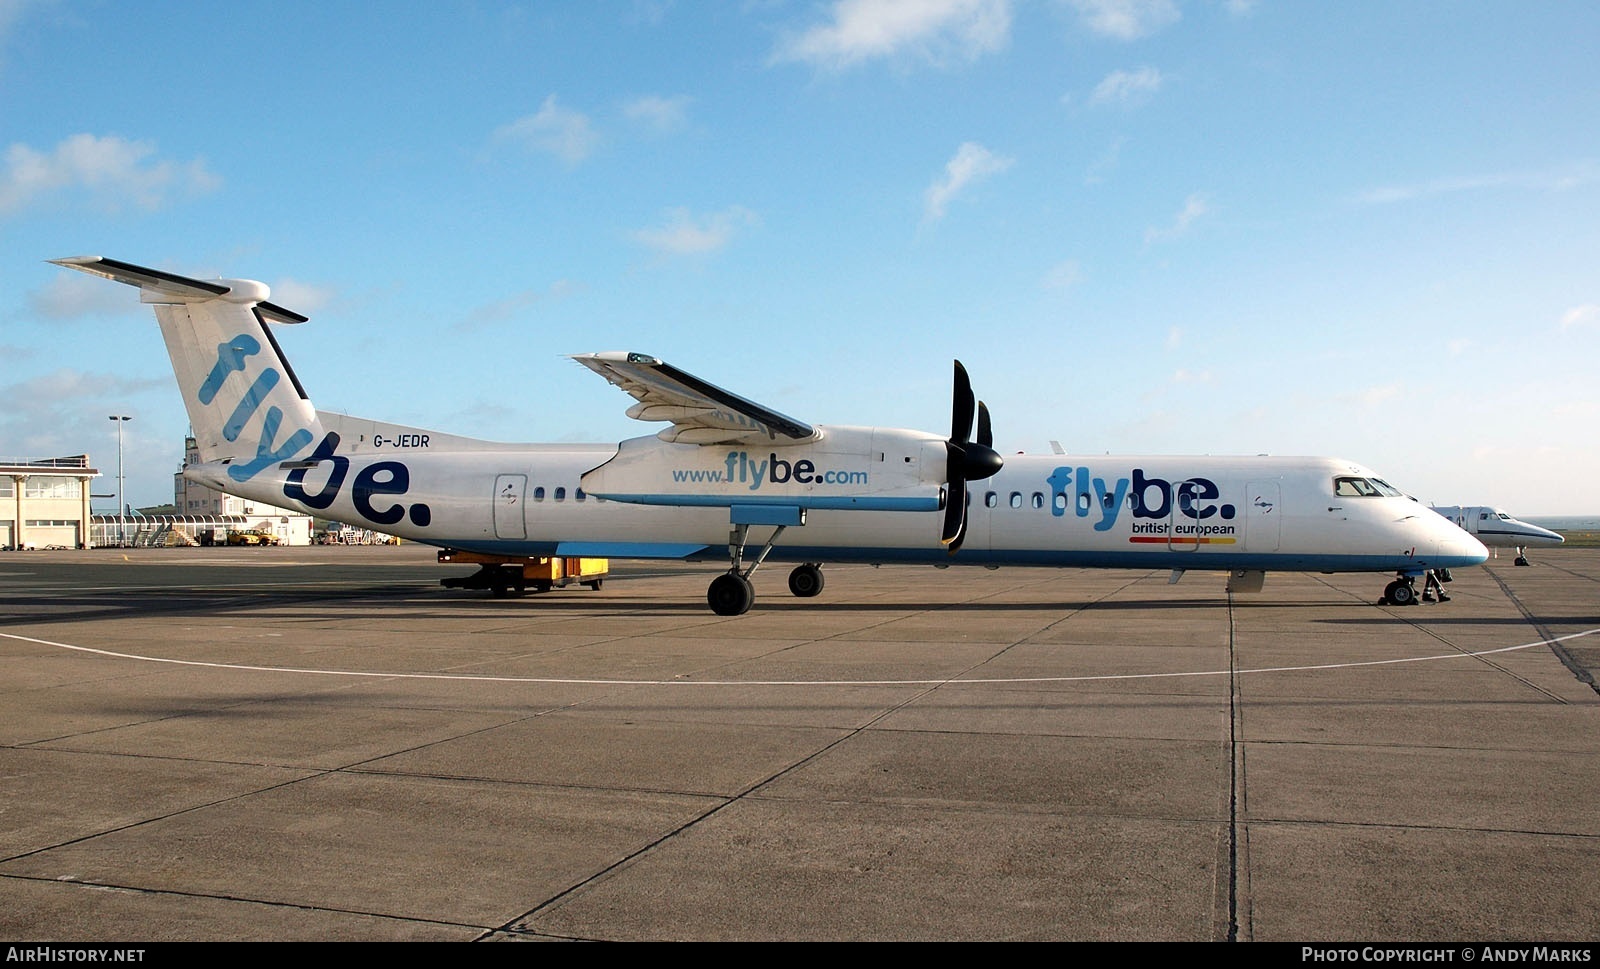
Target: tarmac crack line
{"x": 243, "y": 899}
{"x": 1237, "y": 833}
{"x": 1560, "y": 651}
{"x": 510, "y": 927}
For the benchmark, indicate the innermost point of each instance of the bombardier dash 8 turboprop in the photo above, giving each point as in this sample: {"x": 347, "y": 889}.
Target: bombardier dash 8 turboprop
{"x": 729, "y": 474}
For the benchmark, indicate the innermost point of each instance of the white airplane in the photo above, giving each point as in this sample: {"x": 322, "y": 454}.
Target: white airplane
{"x": 729, "y": 475}
{"x": 1496, "y": 529}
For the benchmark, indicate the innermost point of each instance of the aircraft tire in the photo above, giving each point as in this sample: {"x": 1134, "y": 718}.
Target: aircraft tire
{"x": 730, "y": 595}
{"x": 1401, "y": 593}
{"x": 806, "y": 580}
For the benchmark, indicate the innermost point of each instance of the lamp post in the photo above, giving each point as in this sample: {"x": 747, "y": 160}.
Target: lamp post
{"x": 120, "y": 420}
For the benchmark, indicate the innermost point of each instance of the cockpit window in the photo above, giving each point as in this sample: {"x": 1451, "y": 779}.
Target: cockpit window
{"x": 1353, "y": 487}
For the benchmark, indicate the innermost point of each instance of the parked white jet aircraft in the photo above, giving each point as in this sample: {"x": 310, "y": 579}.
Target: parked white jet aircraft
{"x": 1496, "y": 529}
{"x": 729, "y": 473}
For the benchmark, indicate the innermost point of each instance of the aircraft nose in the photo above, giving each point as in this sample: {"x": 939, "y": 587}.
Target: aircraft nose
{"x": 1450, "y": 545}
{"x": 1554, "y": 538}
{"x": 1475, "y": 550}
{"x": 1460, "y": 548}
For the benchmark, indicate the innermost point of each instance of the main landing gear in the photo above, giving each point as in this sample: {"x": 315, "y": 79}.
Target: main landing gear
{"x": 806, "y": 580}
{"x": 731, "y": 594}
{"x": 1522, "y": 556}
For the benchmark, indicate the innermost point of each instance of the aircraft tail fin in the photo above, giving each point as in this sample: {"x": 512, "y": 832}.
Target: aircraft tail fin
{"x": 246, "y": 406}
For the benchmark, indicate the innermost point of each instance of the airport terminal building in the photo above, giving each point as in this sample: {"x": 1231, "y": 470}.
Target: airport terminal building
{"x": 44, "y": 502}
{"x": 230, "y": 512}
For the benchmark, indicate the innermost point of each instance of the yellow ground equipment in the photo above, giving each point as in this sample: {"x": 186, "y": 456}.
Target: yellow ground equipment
{"x": 505, "y": 575}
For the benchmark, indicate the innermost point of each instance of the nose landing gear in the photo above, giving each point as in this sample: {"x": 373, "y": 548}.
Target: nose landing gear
{"x": 1400, "y": 592}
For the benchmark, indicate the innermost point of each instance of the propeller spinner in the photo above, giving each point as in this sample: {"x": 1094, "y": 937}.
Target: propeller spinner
{"x": 967, "y": 460}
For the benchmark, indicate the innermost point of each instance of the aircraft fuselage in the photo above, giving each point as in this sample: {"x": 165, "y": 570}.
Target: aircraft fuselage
{"x": 1259, "y": 513}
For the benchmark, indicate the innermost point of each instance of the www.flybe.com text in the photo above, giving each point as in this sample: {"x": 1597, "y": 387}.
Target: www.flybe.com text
{"x": 741, "y": 468}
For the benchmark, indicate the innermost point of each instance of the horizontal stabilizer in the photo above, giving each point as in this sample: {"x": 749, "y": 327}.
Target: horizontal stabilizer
{"x": 155, "y": 284}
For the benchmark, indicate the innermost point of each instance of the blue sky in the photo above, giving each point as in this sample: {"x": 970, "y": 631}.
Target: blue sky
{"x": 1369, "y": 230}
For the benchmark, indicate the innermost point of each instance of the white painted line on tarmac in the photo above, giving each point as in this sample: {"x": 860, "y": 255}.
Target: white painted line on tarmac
{"x": 681, "y": 681}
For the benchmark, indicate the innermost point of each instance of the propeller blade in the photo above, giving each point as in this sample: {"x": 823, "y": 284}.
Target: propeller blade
{"x": 966, "y": 460}
{"x": 955, "y": 518}
{"x": 961, "y": 407}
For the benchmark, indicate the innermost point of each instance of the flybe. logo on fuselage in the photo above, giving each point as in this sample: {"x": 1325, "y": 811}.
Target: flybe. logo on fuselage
{"x": 372, "y": 482}
{"x": 1152, "y": 497}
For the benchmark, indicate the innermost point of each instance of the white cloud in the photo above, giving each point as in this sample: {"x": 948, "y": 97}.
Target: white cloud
{"x": 1193, "y": 208}
{"x": 519, "y": 304}
{"x": 303, "y": 298}
{"x": 1174, "y": 338}
{"x": 1373, "y": 397}
{"x": 972, "y": 163}
{"x": 648, "y": 13}
{"x": 1182, "y": 376}
{"x": 112, "y": 172}
{"x": 1126, "y": 19}
{"x": 937, "y": 31}
{"x": 1552, "y": 180}
{"x": 71, "y": 296}
{"x": 685, "y": 234}
{"x": 1063, "y": 275}
{"x": 658, "y": 113}
{"x": 11, "y": 12}
{"x": 553, "y": 129}
{"x": 1584, "y": 315}
{"x": 1127, "y": 87}
{"x": 42, "y": 398}
{"x": 1106, "y": 163}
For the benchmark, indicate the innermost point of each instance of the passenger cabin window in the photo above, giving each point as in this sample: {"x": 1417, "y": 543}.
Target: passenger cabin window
{"x": 538, "y": 493}
{"x": 1016, "y": 499}
{"x": 1038, "y": 500}
{"x": 990, "y": 499}
{"x": 578, "y": 495}
{"x": 561, "y": 494}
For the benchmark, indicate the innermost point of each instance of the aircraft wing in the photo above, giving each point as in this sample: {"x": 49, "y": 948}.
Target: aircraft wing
{"x": 700, "y": 412}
